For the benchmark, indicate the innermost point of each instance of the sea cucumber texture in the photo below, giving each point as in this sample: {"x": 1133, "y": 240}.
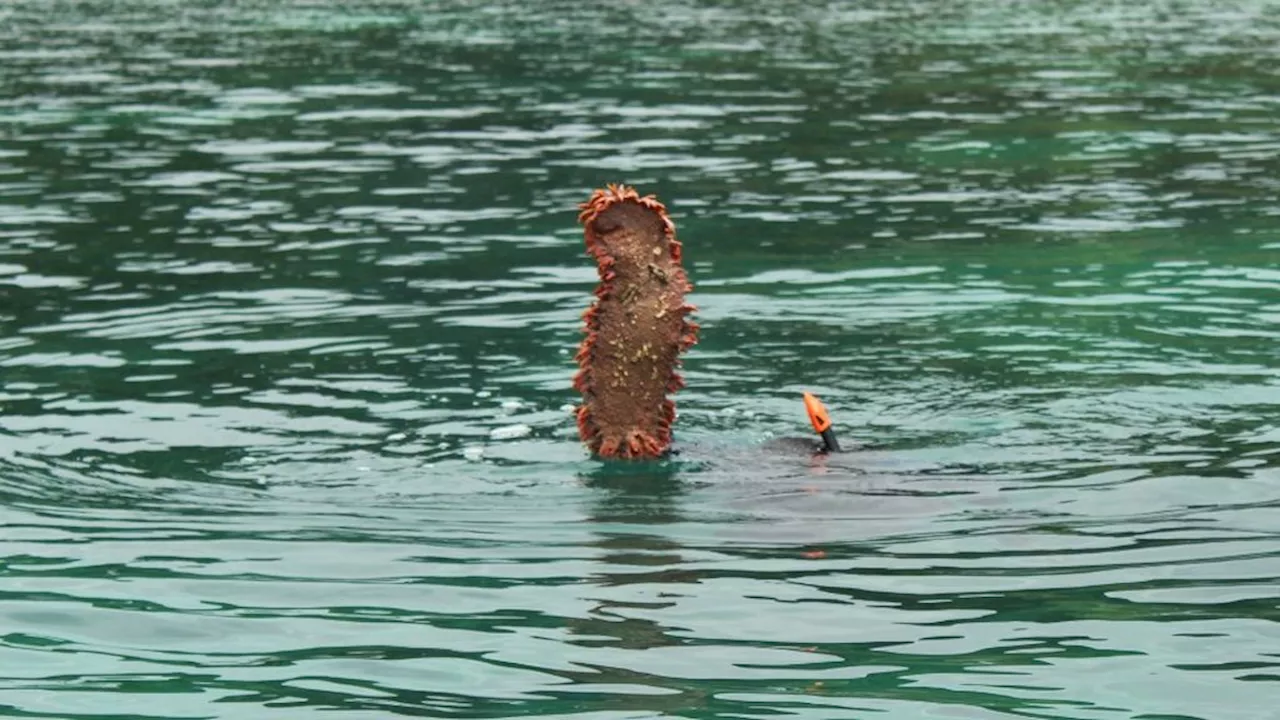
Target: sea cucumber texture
{"x": 636, "y": 328}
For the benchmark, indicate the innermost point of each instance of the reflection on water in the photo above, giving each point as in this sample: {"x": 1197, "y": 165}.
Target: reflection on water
{"x": 289, "y": 296}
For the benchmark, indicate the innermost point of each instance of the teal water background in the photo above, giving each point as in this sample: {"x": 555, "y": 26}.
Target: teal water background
{"x": 289, "y": 294}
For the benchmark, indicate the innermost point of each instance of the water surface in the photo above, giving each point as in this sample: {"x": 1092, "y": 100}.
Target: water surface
{"x": 289, "y": 295}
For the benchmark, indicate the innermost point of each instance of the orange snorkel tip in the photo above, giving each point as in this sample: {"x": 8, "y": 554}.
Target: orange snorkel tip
{"x": 821, "y": 422}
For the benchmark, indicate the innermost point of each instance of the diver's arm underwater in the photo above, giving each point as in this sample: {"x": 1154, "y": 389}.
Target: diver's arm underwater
{"x": 636, "y": 329}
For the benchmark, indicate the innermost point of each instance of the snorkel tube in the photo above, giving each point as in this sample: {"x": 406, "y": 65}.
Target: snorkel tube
{"x": 821, "y": 422}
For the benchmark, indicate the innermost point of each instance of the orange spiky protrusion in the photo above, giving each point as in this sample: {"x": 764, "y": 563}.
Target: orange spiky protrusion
{"x": 636, "y": 328}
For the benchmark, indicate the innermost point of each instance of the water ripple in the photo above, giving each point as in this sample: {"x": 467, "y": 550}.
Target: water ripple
{"x": 290, "y": 295}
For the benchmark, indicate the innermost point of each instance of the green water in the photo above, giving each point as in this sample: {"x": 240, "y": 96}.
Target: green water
{"x": 289, "y": 293}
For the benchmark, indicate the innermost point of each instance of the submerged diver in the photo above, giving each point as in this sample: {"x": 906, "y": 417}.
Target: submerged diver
{"x": 636, "y": 329}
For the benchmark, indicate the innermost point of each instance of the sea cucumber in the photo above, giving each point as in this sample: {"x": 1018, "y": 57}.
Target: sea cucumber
{"x": 635, "y": 329}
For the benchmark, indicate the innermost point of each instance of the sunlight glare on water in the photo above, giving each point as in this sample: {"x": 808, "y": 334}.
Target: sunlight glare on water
{"x": 290, "y": 291}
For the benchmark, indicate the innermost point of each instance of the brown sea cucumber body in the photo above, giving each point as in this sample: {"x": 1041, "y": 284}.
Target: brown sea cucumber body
{"x": 636, "y": 328}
